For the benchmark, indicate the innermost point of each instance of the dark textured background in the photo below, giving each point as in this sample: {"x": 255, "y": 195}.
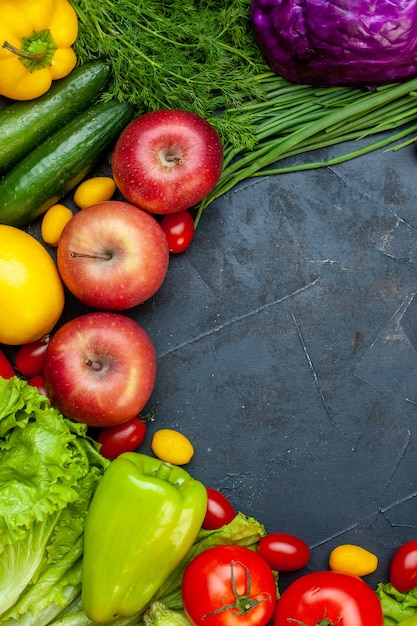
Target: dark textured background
{"x": 286, "y": 339}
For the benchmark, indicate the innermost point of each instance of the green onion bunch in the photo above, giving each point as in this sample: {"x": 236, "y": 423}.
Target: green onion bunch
{"x": 295, "y": 119}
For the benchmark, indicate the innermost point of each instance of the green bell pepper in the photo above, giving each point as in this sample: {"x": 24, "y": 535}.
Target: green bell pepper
{"x": 143, "y": 519}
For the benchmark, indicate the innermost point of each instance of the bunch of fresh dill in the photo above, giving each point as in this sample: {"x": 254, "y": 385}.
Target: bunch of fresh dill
{"x": 197, "y": 55}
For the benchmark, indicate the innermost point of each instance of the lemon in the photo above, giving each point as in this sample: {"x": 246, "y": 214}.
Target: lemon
{"x": 94, "y": 190}
{"x": 172, "y": 446}
{"x": 31, "y": 290}
{"x": 351, "y": 559}
{"x": 54, "y": 222}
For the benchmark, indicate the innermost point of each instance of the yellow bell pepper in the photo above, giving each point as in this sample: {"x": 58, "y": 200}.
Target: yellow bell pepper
{"x": 35, "y": 45}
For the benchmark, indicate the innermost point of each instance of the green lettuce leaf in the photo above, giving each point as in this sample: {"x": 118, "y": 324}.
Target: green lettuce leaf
{"x": 49, "y": 469}
{"x": 396, "y": 606}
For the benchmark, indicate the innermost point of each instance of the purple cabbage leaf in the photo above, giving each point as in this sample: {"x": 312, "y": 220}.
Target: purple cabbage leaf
{"x": 338, "y": 42}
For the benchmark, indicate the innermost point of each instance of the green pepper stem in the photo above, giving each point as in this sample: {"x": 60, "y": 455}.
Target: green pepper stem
{"x": 163, "y": 471}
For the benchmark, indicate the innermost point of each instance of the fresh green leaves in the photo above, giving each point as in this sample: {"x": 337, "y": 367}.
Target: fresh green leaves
{"x": 396, "y": 606}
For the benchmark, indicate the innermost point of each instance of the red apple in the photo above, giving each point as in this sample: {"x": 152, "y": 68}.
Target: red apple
{"x": 113, "y": 255}
{"x": 100, "y": 368}
{"x": 167, "y": 161}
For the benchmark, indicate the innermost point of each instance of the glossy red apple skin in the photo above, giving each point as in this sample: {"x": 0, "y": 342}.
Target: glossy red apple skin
{"x": 113, "y": 256}
{"x": 145, "y": 175}
{"x": 100, "y": 368}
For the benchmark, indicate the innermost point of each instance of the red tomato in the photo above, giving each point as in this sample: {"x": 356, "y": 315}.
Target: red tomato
{"x": 179, "y": 230}
{"x": 30, "y": 358}
{"x": 6, "y": 369}
{"x": 284, "y": 552}
{"x": 38, "y": 382}
{"x": 229, "y": 586}
{"x": 121, "y": 438}
{"x": 403, "y": 568}
{"x": 219, "y": 510}
{"x": 330, "y": 598}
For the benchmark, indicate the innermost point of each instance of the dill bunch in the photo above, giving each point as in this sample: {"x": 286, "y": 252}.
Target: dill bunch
{"x": 197, "y": 55}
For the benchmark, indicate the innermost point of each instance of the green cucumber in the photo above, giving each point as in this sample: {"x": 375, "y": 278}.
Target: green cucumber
{"x": 24, "y": 125}
{"x": 55, "y": 167}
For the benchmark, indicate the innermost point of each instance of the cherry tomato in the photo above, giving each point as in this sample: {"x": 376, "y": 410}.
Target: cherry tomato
{"x": 6, "y": 369}
{"x": 30, "y": 358}
{"x": 219, "y": 512}
{"x": 179, "y": 230}
{"x": 284, "y": 552}
{"x": 403, "y": 568}
{"x": 121, "y": 438}
{"x": 229, "y": 585}
{"x": 329, "y": 598}
{"x": 38, "y": 382}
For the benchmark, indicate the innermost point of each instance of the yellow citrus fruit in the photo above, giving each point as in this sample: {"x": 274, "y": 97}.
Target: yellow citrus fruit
{"x": 94, "y": 190}
{"x": 351, "y": 559}
{"x": 31, "y": 291}
{"x": 172, "y": 446}
{"x": 54, "y": 222}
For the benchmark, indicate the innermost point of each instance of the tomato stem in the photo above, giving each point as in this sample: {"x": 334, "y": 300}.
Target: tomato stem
{"x": 148, "y": 417}
{"x": 243, "y": 603}
{"x": 322, "y": 622}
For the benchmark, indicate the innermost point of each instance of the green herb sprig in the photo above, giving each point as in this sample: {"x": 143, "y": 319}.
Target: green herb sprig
{"x": 197, "y": 55}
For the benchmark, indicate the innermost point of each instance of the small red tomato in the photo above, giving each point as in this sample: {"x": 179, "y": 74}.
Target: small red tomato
{"x": 121, "y": 438}
{"x": 30, "y": 358}
{"x": 219, "y": 512}
{"x": 284, "y": 552}
{"x": 403, "y": 568}
{"x": 179, "y": 230}
{"x": 6, "y": 369}
{"x": 38, "y": 382}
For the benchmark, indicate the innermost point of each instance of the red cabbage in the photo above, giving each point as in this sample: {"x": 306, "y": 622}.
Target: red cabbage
{"x": 338, "y": 42}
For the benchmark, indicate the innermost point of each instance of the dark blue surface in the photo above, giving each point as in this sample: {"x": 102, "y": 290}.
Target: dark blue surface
{"x": 286, "y": 339}
{"x": 287, "y": 342}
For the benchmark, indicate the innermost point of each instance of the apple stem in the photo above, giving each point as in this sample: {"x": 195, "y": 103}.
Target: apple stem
{"x": 105, "y": 257}
{"x": 95, "y": 365}
{"x": 173, "y": 159}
